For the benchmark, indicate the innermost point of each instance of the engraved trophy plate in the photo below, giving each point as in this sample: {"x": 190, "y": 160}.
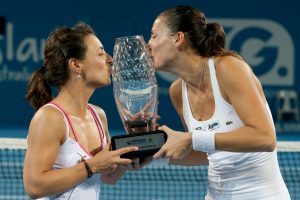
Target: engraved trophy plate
{"x": 148, "y": 143}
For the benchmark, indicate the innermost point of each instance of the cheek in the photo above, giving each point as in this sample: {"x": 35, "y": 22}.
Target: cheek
{"x": 157, "y": 46}
{"x": 101, "y": 64}
{"x": 101, "y": 67}
{"x": 97, "y": 70}
{"x": 162, "y": 52}
{"x": 162, "y": 48}
{"x": 158, "y": 51}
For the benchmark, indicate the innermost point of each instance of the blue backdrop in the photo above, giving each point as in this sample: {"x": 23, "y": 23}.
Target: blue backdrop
{"x": 263, "y": 32}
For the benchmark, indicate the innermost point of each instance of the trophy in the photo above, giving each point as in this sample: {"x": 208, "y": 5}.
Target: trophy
{"x": 135, "y": 92}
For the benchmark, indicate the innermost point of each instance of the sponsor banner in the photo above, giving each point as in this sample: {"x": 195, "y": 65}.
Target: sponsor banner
{"x": 268, "y": 44}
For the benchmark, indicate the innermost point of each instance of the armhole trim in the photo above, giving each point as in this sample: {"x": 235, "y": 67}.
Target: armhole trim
{"x": 65, "y": 119}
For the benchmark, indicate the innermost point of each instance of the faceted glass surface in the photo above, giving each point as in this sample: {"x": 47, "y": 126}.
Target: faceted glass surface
{"x": 134, "y": 82}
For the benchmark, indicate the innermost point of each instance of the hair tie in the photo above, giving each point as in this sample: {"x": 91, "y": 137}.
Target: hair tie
{"x": 210, "y": 29}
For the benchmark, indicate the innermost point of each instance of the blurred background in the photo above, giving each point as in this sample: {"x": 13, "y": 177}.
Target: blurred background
{"x": 263, "y": 32}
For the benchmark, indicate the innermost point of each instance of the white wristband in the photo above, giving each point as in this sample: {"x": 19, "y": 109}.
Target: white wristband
{"x": 203, "y": 141}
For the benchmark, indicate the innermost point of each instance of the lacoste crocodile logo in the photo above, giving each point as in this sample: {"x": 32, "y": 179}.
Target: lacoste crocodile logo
{"x": 229, "y": 122}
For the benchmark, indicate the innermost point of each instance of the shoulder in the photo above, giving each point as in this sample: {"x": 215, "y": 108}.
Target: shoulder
{"x": 175, "y": 93}
{"x": 229, "y": 64}
{"x": 48, "y": 122}
{"x": 232, "y": 70}
{"x": 48, "y": 114}
{"x": 235, "y": 75}
{"x": 99, "y": 111}
{"x": 175, "y": 88}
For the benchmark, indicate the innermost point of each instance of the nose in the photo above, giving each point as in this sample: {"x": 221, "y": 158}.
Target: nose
{"x": 148, "y": 47}
{"x": 109, "y": 60}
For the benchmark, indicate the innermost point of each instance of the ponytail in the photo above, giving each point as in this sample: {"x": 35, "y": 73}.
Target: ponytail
{"x": 39, "y": 91}
{"x": 213, "y": 41}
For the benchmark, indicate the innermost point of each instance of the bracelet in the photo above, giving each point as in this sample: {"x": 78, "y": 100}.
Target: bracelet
{"x": 87, "y": 167}
{"x": 204, "y": 141}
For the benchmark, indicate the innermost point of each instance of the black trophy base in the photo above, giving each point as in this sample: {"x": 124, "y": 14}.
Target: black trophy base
{"x": 148, "y": 142}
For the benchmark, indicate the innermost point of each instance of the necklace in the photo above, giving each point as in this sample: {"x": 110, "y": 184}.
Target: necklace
{"x": 195, "y": 102}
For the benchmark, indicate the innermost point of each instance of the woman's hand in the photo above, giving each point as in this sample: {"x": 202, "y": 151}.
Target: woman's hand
{"x": 107, "y": 161}
{"x": 137, "y": 164}
{"x": 178, "y": 145}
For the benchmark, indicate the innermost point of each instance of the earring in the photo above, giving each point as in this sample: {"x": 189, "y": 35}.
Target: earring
{"x": 78, "y": 76}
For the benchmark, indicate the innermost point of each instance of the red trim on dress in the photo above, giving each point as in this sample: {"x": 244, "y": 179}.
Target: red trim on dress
{"x": 99, "y": 126}
{"x": 73, "y": 130}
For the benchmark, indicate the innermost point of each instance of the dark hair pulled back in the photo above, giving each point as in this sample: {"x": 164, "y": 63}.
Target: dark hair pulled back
{"x": 207, "y": 39}
{"x": 62, "y": 44}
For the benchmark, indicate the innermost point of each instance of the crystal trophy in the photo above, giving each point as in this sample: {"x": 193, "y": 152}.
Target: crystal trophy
{"x": 135, "y": 92}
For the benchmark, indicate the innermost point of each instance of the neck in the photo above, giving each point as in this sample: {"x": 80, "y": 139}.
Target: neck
{"x": 73, "y": 97}
{"x": 193, "y": 70}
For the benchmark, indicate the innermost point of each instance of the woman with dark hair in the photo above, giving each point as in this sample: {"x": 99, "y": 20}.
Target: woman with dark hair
{"x": 68, "y": 140}
{"x": 222, "y": 106}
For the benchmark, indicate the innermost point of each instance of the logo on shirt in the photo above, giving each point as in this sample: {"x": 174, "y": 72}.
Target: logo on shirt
{"x": 229, "y": 122}
{"x": 208, "y": 126}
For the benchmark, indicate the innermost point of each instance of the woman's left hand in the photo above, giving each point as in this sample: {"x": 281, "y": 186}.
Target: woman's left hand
{"x": 178, "y": 145}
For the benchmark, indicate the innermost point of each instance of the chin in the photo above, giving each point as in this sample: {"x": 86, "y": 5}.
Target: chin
{"x": 108, "y": 82}
{"x": 104, "y": 84}
{"x": 157, "y": 67}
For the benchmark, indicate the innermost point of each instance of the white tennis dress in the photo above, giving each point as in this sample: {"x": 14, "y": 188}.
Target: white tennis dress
{"x": 70, "y": 154}
{"x": 235, "y": 176}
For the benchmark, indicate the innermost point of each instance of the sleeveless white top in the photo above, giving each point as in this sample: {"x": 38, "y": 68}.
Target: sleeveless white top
{"x": 235, "y": 176}
{"x": 70, "y": 154}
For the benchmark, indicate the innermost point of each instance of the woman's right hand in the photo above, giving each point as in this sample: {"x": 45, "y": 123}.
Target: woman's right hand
{"x": 178, "y": 145}
{"x": 106, "y": 161}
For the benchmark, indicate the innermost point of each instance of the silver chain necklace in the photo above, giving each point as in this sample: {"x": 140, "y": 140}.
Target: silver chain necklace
{"x": 199, "y": 87}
